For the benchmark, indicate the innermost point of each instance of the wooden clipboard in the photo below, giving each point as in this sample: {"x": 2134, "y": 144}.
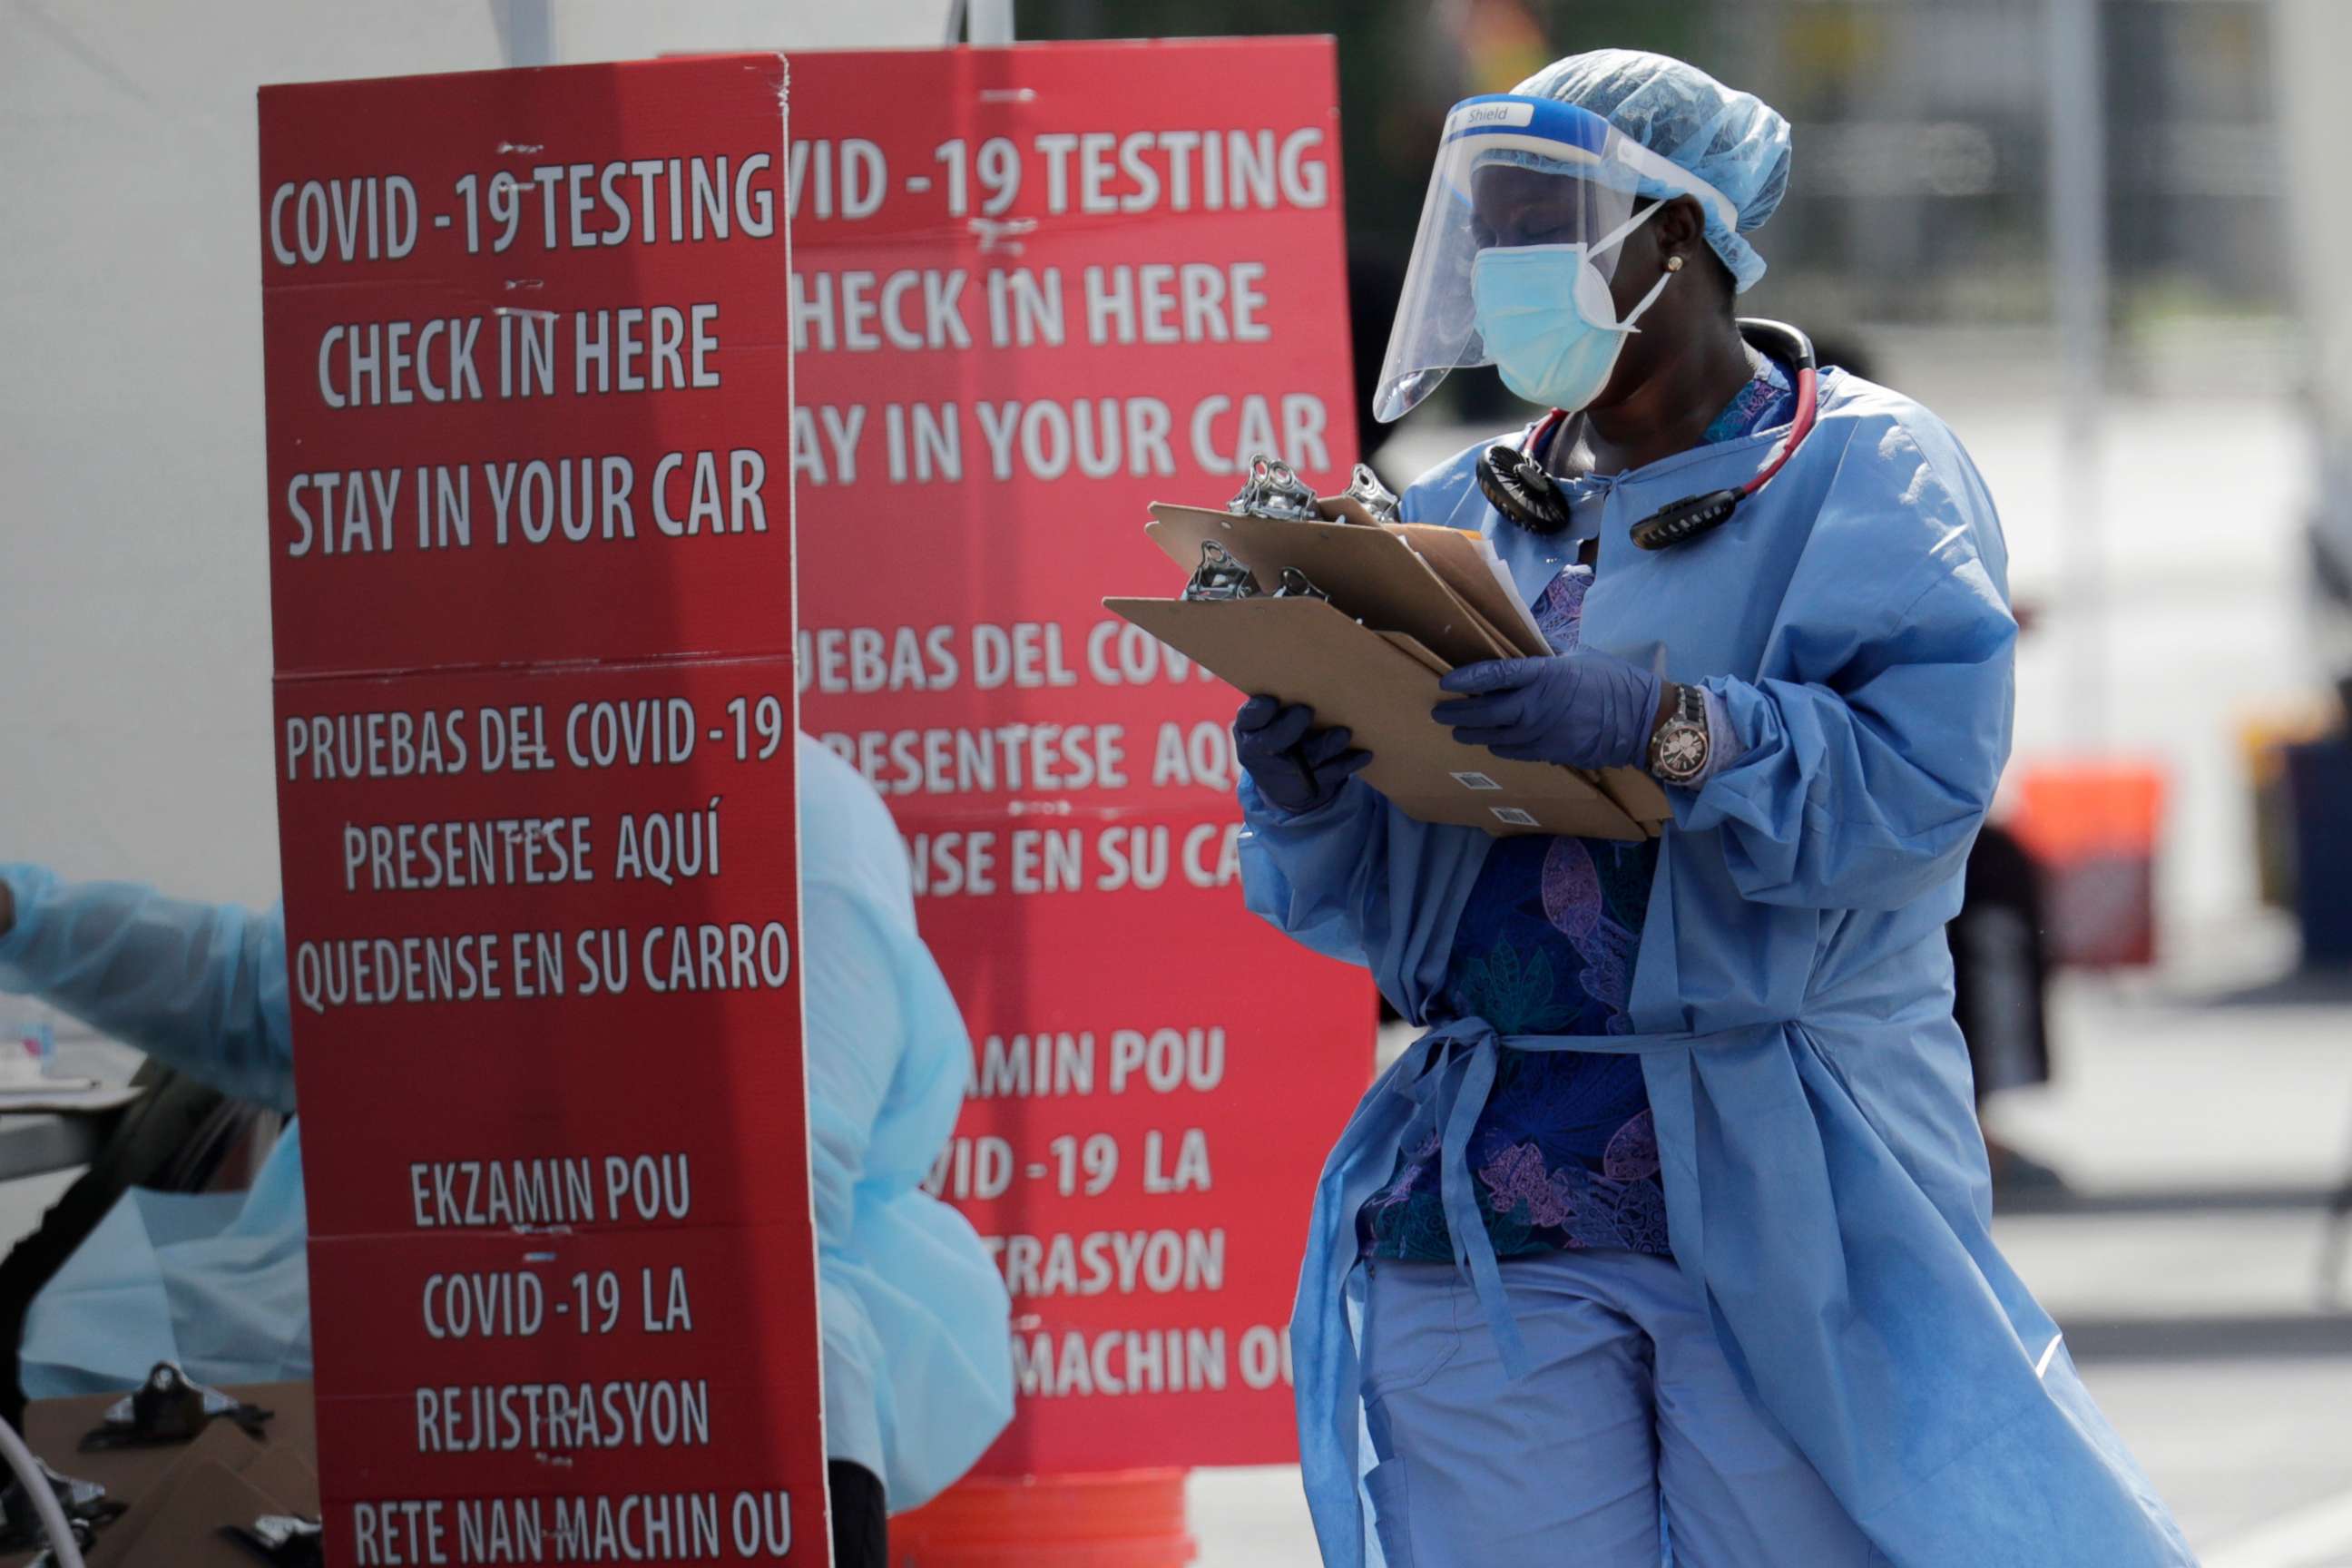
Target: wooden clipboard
{"x": 1381, "y": 686}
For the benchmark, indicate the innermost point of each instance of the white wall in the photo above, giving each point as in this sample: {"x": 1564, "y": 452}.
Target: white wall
{"x": 134, "y": 613}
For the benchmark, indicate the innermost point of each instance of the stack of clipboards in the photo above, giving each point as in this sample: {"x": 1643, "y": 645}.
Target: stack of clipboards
{"x": 1357, "y": 615}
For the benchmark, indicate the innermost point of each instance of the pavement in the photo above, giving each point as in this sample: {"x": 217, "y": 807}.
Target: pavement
{"x": 2201, "y": 1115}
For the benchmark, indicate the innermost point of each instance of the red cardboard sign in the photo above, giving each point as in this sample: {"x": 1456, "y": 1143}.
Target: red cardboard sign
{"x": 528, "y": 351}
{"x": 1038, "y": 288}
{"x": 499, "y": 365}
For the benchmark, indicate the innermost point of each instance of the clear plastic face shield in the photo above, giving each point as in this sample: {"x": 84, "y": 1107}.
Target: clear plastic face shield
{"x": 1516, "y": 173}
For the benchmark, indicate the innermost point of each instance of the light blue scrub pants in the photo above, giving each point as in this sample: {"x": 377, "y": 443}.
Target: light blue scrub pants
{"x": 1630, "y": 1411}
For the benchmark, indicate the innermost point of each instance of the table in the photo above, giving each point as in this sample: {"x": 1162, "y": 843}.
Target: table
{"x": 35, "y": 1142}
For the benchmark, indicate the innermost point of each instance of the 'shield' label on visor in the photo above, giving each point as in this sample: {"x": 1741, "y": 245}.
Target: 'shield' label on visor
{"x": 1470, "y": 116}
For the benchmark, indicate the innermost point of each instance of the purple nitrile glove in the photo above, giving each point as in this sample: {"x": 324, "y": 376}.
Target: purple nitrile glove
{"x": 1297, "y": 766}
{"x": 1581, "y": 710}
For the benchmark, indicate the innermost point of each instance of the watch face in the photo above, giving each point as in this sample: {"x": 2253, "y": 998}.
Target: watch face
{"x": 1682, "y": 750}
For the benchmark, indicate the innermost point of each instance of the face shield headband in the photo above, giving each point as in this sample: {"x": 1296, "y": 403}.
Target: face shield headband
{"x": 1436, "y": 330}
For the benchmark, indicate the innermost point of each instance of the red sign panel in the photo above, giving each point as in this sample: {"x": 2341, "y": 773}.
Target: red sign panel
{"x": 527, "y": 347}
{"x": 1037, "y": 288}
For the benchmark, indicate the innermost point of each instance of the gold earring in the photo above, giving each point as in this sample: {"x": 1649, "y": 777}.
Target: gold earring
{"x": 1673, "y": 264}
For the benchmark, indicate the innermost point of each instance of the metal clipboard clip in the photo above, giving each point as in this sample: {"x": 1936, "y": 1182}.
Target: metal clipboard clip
{"x": 1297, "y": 584}
{"x": 1364, "y": 488}
{"x": 1219, "y": 576}
{"x": 283, "y": 1538}
{"x": 1272, "y": 489}
{"x": 84, "y": 1503}
{"x": 85, "y": 1540}
{"x": 169, "y": 1407}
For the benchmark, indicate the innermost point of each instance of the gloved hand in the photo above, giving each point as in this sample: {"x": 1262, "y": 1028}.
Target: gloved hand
{"x": 1297, "y": 766}
{"x": 1581, "y": 710}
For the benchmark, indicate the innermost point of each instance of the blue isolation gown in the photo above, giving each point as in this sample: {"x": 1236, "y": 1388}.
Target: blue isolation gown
{"x": 1826, "y": 1184}
{"x": 917, "y": 1374}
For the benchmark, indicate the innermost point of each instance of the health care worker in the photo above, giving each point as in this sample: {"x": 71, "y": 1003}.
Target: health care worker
{"x": 918, "y": 1374}
{"x": 1675, "y": 1224}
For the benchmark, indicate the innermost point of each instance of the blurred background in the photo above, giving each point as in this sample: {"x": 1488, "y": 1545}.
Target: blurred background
{"x": 2103, "y": 238}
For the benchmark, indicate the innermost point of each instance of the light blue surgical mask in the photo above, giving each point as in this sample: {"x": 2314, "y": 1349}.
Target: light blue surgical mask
{"x": 1547, "y": 318}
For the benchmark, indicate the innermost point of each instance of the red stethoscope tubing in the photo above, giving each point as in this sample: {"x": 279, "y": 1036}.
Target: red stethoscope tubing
{"x": 1808, "y": 404}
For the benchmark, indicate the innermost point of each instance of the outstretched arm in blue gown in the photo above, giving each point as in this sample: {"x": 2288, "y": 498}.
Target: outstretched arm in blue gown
{"x": 199, "y": 986}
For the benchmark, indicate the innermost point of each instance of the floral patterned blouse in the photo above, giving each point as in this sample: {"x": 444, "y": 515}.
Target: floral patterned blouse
{"x": 1565, "y": 1155}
